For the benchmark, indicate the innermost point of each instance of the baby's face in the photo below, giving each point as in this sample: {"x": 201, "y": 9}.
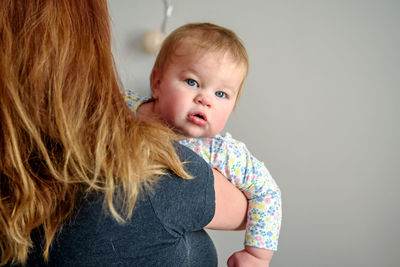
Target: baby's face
{"x": 197, "y": 92}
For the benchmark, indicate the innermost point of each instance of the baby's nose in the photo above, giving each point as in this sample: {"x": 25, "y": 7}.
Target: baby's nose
{"x": 203, "y": 99}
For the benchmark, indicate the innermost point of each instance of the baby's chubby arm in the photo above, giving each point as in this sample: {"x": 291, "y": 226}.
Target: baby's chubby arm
{"x": 251, "y": 256}
{"x": 235, "y": 162}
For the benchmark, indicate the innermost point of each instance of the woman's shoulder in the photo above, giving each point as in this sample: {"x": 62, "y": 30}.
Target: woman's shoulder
{"x": 186, "y": 201}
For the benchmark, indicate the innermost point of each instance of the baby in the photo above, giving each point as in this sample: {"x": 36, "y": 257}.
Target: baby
{"x": 196, "y": 82}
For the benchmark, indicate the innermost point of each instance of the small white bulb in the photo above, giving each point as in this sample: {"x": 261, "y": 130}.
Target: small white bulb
{"x": 151, "y": 41}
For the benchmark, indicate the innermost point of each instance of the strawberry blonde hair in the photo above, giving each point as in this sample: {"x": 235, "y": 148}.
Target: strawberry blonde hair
{"x": 64, "y": 127}
{"x": 204, "y": 37}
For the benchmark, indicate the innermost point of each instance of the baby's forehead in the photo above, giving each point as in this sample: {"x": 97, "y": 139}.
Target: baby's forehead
{"x": 195, "y": 52}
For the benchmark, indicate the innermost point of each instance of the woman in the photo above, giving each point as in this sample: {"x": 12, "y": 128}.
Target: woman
{"x": 83, "y": 182}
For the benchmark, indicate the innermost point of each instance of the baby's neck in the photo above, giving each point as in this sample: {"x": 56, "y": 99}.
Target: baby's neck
{"x": 147, "y": 111}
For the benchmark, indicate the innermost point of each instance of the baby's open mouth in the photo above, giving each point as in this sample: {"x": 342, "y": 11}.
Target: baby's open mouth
{"x": 198, "y": 118}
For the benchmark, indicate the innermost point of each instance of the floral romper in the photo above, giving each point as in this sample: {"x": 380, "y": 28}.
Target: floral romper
{"x": 234, "y": 161}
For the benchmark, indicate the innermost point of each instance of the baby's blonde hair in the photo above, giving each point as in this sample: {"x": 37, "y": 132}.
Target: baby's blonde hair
{"x": 64, "y": 127}
{"x": 205, "y": 37}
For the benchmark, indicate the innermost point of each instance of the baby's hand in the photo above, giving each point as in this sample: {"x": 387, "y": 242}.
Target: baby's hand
{"x": 251, "y": 256}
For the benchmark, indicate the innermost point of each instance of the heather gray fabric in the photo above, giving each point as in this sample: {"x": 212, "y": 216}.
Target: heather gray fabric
{"x": 165, "y": 229}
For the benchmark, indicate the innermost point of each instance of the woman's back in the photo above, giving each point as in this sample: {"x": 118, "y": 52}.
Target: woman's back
{"x": 166, "y": 228}
{"x": 64, "y": 127}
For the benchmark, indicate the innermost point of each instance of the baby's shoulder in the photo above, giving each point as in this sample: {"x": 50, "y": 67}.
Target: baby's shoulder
{"x": 228, "y": 141}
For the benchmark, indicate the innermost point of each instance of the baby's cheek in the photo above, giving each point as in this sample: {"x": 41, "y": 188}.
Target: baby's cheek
{"x": 217, "y": 130}
{"x": 221, "y": 121}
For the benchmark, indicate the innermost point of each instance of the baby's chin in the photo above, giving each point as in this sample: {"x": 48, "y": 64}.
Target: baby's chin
{"x": 192, "y": 134}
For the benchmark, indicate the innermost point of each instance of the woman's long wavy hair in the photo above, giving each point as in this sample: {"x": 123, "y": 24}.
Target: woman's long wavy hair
{"x": 64, "y": 127}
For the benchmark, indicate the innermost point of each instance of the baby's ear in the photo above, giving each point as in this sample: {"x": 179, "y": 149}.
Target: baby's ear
{"x": 155, "y": 83}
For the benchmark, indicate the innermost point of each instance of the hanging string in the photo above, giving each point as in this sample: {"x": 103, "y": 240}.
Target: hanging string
{"x": 167, "y": 13}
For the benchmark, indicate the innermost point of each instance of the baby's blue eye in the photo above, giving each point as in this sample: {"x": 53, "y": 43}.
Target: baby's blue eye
{"x": 191, "y": 82}
{"x": 220, "y": 94}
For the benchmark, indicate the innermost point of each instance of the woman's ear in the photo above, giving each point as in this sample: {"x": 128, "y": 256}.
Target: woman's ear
{"x": 155, "y": 83}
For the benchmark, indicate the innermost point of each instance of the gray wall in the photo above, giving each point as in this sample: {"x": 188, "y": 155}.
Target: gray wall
{"x": 320, "y": 108}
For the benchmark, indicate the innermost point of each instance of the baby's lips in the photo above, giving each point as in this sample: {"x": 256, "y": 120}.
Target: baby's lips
{"x": 200, "y": 115}
{"x": 198, "y": 118}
